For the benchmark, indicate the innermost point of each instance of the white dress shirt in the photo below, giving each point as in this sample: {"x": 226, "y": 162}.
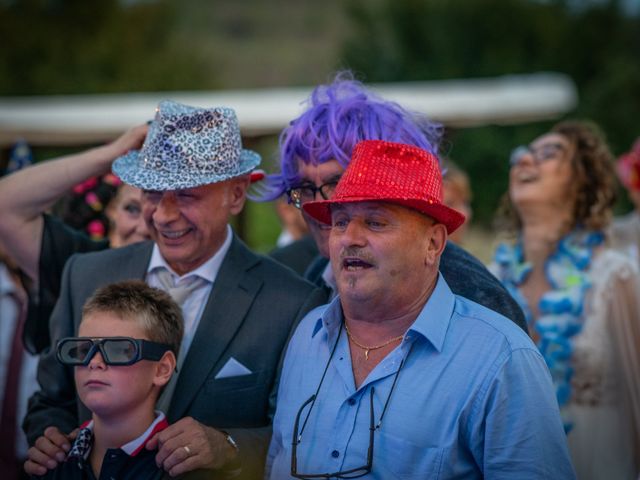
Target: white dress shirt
{"x": 195, "y": 303}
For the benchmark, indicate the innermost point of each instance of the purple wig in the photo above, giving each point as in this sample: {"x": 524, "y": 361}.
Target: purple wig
{"x": 340, "y": 115}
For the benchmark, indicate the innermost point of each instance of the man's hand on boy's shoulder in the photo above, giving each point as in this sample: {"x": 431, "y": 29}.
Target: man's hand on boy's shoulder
{"x": 189, "y": 445}
{"x": 49, "y": 450}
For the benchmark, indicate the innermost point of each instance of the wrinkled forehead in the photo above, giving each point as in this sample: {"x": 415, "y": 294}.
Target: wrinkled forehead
{"x": 320, "y": 173}
{"x": 199, "y": 190}
{"x": 103, "y": 322}
{"x": 126, "y": 192}
{"x": 394, "y": 210}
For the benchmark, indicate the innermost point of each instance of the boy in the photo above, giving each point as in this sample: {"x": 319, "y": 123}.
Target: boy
{"x": 124, "y": 355}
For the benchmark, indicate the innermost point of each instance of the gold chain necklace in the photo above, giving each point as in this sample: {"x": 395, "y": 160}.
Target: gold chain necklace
{"x": 368, "y": 349}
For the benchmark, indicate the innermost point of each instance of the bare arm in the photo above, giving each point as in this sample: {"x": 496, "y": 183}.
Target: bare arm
{"x": 27, "y": 194}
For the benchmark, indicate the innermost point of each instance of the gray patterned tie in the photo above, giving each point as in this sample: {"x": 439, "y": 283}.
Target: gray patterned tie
{"x": 179, "y": 293}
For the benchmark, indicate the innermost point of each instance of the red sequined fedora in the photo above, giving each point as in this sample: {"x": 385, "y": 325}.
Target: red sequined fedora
{"x": 391, "y": 172}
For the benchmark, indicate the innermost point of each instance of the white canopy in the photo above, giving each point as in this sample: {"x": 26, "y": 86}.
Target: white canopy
{"x": 81, "y": 119}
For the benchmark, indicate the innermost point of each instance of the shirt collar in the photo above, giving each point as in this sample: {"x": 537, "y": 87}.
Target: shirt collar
{"x": 432, "y": 322}
{"x": 208, "y": 270}
{"x": 135, "y": 446}
{"x": 84, "y": 441}
{"x": 434, "y": 319}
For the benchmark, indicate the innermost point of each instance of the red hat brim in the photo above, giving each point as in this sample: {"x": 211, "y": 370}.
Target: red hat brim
{"x": 450, "y": 218}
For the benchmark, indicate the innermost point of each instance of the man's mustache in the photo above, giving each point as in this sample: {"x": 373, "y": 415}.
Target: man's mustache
{"x": 358, "y": 253}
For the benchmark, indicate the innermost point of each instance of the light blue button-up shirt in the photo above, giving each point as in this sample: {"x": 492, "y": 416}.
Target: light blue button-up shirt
{"x": 474, "y": 399}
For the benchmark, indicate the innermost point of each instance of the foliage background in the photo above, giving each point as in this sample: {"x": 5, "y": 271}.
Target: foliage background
{"x": 75, "y": 46}
{"x": 595, "y": 43}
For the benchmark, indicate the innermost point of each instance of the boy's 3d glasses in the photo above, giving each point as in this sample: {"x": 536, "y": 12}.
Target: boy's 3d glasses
{"x": 77, "y": 351}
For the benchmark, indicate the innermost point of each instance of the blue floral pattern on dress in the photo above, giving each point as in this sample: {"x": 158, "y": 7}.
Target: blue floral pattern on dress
{"x": 561, "y": 309}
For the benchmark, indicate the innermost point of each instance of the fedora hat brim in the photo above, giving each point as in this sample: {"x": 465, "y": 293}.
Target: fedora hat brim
{"x": 132, "y": 170}
{"x": 450, "y": 218}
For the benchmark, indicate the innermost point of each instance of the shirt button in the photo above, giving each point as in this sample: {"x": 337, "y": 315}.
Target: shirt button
{"x": 335, "y": 454}
{"x": 351, "y": 401}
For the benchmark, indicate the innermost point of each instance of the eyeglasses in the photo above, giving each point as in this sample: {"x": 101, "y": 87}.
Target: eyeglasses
{"x": 76, "y": 351}
{"x": 307, "y": 193}
{"x": 297, "y": 432}
{"x": 540, "y": 154}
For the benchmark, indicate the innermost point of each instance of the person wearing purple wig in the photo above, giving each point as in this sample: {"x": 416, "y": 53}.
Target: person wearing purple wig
{"x": 316, "y": 148}
{"x": 319, "y": 142}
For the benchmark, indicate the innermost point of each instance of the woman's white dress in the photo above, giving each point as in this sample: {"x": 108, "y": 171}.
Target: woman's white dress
{"x": 605, "y": 387}
{"x": 605, "y": 403}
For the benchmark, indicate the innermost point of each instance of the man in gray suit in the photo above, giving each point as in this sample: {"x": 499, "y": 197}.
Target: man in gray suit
{"x": 239, "y": 307}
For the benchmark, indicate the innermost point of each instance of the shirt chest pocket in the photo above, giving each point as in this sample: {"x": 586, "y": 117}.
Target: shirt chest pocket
{"x": 235, "y": 383}
{"x": 405, "y": 459}
{"x": 238, "y": 401}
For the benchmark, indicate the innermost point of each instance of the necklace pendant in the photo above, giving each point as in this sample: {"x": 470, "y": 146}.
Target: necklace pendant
{"x": 366, "y": 354}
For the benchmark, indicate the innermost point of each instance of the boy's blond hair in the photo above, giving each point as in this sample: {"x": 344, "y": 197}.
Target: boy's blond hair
{"x": 153, "y": 309}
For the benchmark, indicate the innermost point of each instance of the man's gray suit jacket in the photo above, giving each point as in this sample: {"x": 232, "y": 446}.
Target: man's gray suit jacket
{"x": 251, "y": 311}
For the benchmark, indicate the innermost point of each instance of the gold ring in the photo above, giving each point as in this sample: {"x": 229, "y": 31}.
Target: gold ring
{"x": 188, "y": 450}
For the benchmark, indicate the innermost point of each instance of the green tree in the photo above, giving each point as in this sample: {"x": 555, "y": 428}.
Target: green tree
{"x": 597, "y": 45}
{"x": 74, "y": 46}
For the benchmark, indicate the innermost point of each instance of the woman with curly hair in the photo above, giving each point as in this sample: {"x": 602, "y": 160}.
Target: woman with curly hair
{"x": 581, "y": 298}
{"x": 99, "y": 213}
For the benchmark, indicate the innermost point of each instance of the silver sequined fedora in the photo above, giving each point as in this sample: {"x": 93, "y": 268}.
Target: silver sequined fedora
{"x": 187, "y": 147}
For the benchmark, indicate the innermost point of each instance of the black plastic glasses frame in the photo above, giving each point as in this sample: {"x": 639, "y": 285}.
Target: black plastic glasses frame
{"x": 306, "y": 193}
{"x": 142, "y": 350}
{"x": 540, "y": 154}
{"x": 297, "y": 432}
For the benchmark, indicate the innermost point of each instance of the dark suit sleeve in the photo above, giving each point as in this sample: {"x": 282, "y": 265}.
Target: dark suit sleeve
{"x": 254, "y": 442}
{"x": 469, "y": 278}
{"x": 55, "y": 403}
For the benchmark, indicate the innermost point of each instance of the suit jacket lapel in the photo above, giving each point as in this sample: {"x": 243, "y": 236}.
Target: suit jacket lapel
{"x": 230, "y": 299}
{"x": 137, "y": 261}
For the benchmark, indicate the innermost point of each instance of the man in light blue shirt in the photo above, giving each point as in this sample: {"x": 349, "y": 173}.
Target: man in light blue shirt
{"x": 398, "y": 377}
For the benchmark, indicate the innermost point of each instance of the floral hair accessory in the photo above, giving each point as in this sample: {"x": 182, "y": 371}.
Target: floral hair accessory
{"x": 88, "y": 184}
{"x": 111, "y": 179}
{"x": 96, "y": 230}
{"x": 628, "y": 168}
{"x": 93, "y": 201}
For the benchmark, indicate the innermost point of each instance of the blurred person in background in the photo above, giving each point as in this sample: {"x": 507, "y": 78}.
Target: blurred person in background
{"x": 625, "y": 230}
{"x": 98, "y": 212}
{"x": 581, "y": 298}
{"x": 457, "y": 195}
{"x": 103, "y": 208}
{"x": 315, "y": 149}
{"x": 295, "y": 247}
{"x": 293, "y": 225}
{"x": 17, "y": 365}
{"x": 17, "y": 370}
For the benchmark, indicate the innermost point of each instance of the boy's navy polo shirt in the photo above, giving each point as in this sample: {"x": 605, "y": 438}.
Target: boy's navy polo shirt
{"x": 131, "y": 461}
